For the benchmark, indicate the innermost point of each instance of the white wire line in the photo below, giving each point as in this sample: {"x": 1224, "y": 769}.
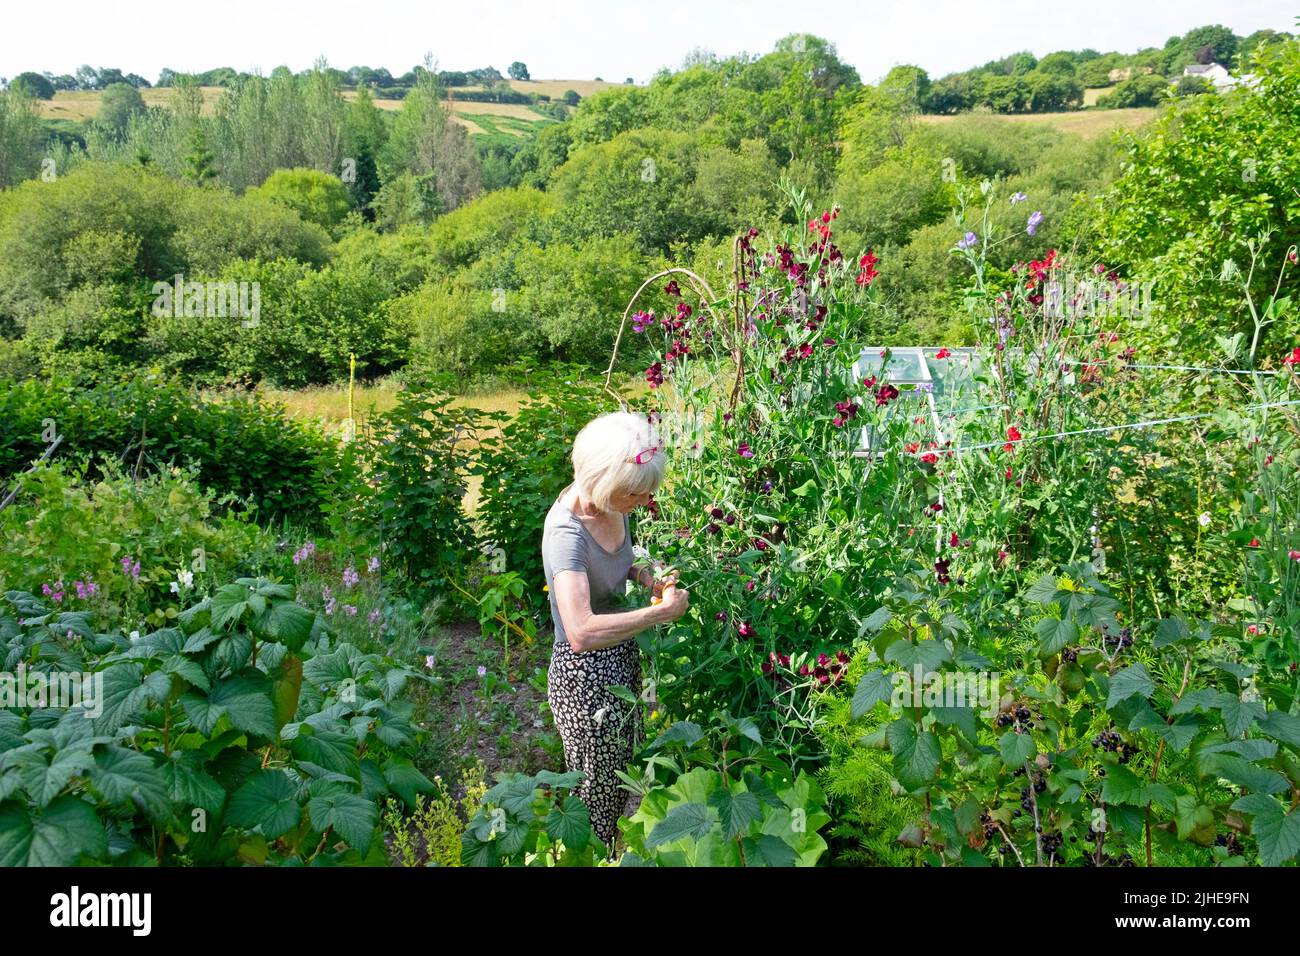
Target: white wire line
{"x": 1175, "y": 368}
{"x": 1084, "y": 431}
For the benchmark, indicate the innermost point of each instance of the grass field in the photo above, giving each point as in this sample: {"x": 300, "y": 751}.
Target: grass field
{"x": 556, "y": 88}
{"x": 328, "y": 406}
{"x": 516, "y": 119}
{"x": 1086, "y": 123}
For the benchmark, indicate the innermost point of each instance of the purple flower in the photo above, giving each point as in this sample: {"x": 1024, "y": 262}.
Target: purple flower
{"x": 642, "y": 321}
{"x": 967, "y": 241}
{"x": 351, "y": 609}
{"x": 350, "y": 576}
{"x": 375, "y": 616}
{"x": 372, "y": 565}
{"x": 131, "y": 567}
{"x": 482, "y": 671}
{"x": 767, "y": 487}
{"x": 1034, "y": 220}
{"x": 305, "y": 552}
{"x": 1018, "y": 197}
{"x": 744, "y": 451}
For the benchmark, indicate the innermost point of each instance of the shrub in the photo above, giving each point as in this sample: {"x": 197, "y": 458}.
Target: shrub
{"x": 242, "y": 734}
{"x": 526, "y": 466}
{"x": 240, "y": 447}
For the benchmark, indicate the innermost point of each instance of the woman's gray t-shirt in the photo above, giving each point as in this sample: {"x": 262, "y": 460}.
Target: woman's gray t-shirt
{"x": 567, "y": 545}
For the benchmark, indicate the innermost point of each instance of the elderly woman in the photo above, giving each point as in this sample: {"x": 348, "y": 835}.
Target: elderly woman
{"x": 587, "y": 554}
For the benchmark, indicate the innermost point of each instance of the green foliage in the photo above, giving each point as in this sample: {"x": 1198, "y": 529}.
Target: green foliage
{"x": 532, "y": 821}
{"x": 1146, "y": 89}
{"x": 240, "y": 447}
{"x": 525, "y": 466}
{"x": 727, "y": 802}
{"x": 241, "y": 734}
{"x": 418, "y": 459}
{"x": 1195, "y": 197}
{"x": 315, "y": 196}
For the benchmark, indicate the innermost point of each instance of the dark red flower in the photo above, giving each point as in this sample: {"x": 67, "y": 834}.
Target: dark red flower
{"x": 673, "y": 289}
{"x": 941, "y": 570}
{"x": 744, "y": 630}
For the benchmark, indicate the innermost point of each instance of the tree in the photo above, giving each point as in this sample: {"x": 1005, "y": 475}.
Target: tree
{"x": 518, "y": 71}
{"x": 314, "y": 195}
{"x": 1192, "y": 85}
{"x": 87, "y": 78}
{"x": 35, "y": 84}
{"x": 426, "y": 142}
{"x": 1187, "y": 203}
{"x": 20, "y": 136}
{"x": 119, "y": 102}
{"x": 199, "y": 161}
{"x": 571, "y": 97}
{"x": 1147, "y": 89}
{"x": 1217, "y": 43}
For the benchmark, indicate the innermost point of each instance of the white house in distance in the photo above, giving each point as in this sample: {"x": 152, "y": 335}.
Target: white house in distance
{"x": 1219, "y": 77}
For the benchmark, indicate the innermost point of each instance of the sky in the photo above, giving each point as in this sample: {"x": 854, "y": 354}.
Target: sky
{"x": 585, "y": 39}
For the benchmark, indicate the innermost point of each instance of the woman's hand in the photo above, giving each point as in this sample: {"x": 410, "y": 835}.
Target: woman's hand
{"x": 674, "y": 603}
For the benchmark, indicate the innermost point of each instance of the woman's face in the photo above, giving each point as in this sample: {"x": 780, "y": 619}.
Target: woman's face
{"x": 625, "y": 503}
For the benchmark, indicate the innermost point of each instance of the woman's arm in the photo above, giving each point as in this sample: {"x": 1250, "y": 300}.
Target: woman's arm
{"x": 588, "y": 631}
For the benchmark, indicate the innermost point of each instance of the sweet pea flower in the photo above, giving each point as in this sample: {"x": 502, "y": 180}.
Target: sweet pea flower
{"x": 1034, "y": 221}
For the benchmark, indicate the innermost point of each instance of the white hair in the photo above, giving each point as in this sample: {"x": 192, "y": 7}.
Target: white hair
{"x": 601, "y": 453}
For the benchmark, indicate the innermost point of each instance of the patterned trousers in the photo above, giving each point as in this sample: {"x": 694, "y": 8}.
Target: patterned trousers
{"x": 600, "y": 732}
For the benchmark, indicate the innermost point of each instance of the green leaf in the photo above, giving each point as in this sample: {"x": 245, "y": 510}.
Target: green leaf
{"x": 1123, "y": 786}
{"x": 963, "y": 718}
{"x": 203, "y": 714}
{"x": 1276, "y": 832}
{"x": 329, "y": 749}
{"x": 684, "y": 731}
{"x": 769, "y": 850}
{"x": 44, "y": 773}
{"x": 1054, "y": 634}
{"x": 406, "y": 781}
{"x": 875, "y": 621}
{"x": 571, "y": 823}
{"x": 928, "y": 654}
{"x": 229, "y": 605}
{"x": 1131, "y": 680}
{"x": 126, "y": 694}
{"x": 67, "y": 830}
{"x": 1247, "y": 775}
{"x": 916, "y": 755}
{"x": 1170, "y": 631}
{"x": 288, "y": 623}
{"x": 1281, "y": 727}
{"x": 189, "y": 785}
{"x": 692, "y": 820}
{"x": 874, "y": 687}
{"x": 353, "y": 817}
{"x": 1016, "y": 748}
{"x": 1043, "y": 591}
{"x": 188, "y": 670}
{"x": 1240, "y": 715}
{"x": 267, "y": 802}
{"x": 736, "y": 809}
{"x": 246, "y": 700}
{"x": 125, "y": 776}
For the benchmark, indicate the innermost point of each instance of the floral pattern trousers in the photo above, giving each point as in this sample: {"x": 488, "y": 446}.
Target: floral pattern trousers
{"x": 600, "y": 732}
